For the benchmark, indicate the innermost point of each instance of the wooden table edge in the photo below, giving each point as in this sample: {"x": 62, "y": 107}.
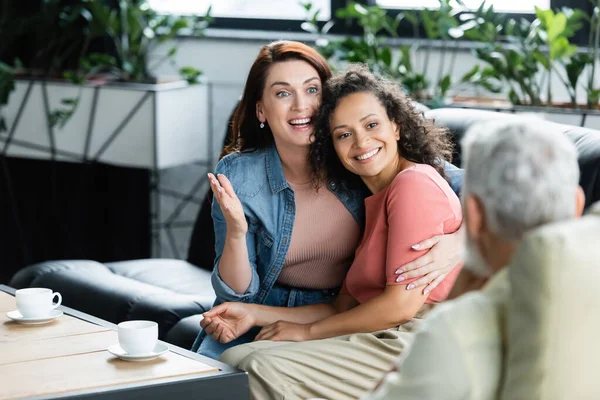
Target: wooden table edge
{"x": 225, "y": 370}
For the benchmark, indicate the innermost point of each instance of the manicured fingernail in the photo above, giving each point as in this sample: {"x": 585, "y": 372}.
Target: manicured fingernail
{"x": 416, "y": 246}
{"x": 411, "y": 286}
{"x": 400, "y": 279}
{"x": 399, "y": 272}
{"x": 426, "y": 291}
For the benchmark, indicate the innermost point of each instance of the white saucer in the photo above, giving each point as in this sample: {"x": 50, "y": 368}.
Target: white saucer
{"x": 159, "y": 350}
{"x": 17, "y": 317}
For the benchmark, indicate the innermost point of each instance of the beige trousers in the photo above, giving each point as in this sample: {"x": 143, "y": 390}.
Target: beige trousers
{"x": 339, "y": 368}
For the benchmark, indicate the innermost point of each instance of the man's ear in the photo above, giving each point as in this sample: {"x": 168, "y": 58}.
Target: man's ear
{"x": 579, "y": 202}
{"x": 259, "y": 112}
{"x": 474, "y": 216}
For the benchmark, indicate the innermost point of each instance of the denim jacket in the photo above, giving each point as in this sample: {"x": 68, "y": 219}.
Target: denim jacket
{"x": 268, "y": 202}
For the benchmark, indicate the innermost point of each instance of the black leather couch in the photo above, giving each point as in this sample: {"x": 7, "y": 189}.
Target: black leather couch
{"x": 174, "y": 292}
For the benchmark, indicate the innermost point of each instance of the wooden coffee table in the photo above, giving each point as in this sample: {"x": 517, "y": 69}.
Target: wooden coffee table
{"x": 67, "y": 358}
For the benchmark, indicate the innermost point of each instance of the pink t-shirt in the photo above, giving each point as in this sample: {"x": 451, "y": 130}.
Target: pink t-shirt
{"x": 417, "y": 205}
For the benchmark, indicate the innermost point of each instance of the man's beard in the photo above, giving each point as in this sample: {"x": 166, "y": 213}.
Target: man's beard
{"x": 474, "y": 260}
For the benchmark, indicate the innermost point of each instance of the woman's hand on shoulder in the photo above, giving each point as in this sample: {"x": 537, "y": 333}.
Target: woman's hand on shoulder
{"x": 231, "y": 206}
{"x": 444, "y": 253}
{"x": 228, "y": 321}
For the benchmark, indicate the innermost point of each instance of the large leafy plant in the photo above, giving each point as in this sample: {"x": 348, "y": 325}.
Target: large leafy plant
{"x": 369, "y": 48}
{"x": 134, "y": 32}
{"x": 524, "y": 55}
{"x": 55, "y": 37}
{"x": 441, "y": 25}
{"x": 554, "y": 31}
{"x": 410, "y": 65}
{"x": 509, "y": 62}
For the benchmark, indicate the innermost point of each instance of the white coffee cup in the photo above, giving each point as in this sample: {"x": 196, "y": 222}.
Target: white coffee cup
{"x": 138, "y": 337}
{"x": 36, "y": 302}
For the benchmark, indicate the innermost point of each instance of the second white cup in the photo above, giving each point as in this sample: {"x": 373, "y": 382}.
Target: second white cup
{"x": 138, "y": 337}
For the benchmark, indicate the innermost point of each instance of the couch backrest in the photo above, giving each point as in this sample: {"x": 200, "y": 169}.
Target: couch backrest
{"x": 553, "y": 319}
{"x": 586, "y": 140}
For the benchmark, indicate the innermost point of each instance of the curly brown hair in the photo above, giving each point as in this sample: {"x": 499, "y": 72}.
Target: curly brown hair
{"x": 420, "y": 140}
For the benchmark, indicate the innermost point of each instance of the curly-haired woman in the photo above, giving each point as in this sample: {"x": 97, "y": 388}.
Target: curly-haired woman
{"x": 367, "y": 132}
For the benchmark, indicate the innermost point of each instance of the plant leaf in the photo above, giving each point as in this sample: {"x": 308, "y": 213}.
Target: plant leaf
{"x": 190, "y": 74}
{"x": 556, "y": 27}
{"x": 469, "y": 75}
{"x": 328, "y": 25}
{"x": 309, "y": 27}
{"x": 445, "y": 84}
{"x": 385, "y": 55}
{"x": 542, "y": 59}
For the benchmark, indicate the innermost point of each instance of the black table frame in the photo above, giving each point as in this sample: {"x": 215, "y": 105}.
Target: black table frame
{"x": 227, "y": 383}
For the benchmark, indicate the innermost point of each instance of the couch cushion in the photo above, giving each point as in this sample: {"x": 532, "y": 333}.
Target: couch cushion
{"x": 553, "y": 348}
{"x": 176, "y": 275}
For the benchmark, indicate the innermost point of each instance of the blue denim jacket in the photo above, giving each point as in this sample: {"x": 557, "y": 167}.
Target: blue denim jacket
{"x": 268, "y": 201}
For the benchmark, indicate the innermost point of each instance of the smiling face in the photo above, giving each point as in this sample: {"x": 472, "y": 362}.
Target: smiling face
{"x": 366, "y": 140}
{"x": 291, "y": 97}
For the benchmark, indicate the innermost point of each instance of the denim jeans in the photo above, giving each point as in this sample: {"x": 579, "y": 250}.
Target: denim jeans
{"x": 278, "y": 297}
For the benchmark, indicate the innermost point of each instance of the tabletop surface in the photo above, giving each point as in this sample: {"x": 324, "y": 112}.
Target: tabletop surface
{"x": 70, "y": 354}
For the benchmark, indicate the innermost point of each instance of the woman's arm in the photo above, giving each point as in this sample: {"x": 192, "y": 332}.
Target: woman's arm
{"x": 233, "y": 261}
{"x": 395, "y": 306}
{"x": 381, "y": 312}
{"x": 228, "y": 321}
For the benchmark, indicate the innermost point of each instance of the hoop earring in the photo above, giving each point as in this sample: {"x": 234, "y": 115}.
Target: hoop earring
{"x": 262, "y": 125}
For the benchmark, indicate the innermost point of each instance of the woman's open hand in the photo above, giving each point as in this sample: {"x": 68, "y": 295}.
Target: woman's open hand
{"x": 230, "y": 205}
{"x": 228, "y": 321}
{"x": 445, "y": 252}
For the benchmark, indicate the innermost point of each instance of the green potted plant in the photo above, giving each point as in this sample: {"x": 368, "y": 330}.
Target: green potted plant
{"x": 370, "y": 46}
{"x": 110, "y": 108}
{"x": 134, "y": 31}
{"x": 526, "y": 56}
{"x": 48, "y": 41}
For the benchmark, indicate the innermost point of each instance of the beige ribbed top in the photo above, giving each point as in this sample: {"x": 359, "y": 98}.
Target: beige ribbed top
{"x": 324, "y": 238}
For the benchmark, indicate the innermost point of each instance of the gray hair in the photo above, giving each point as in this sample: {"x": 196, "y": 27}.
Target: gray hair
{"x": 524, "y": 175}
